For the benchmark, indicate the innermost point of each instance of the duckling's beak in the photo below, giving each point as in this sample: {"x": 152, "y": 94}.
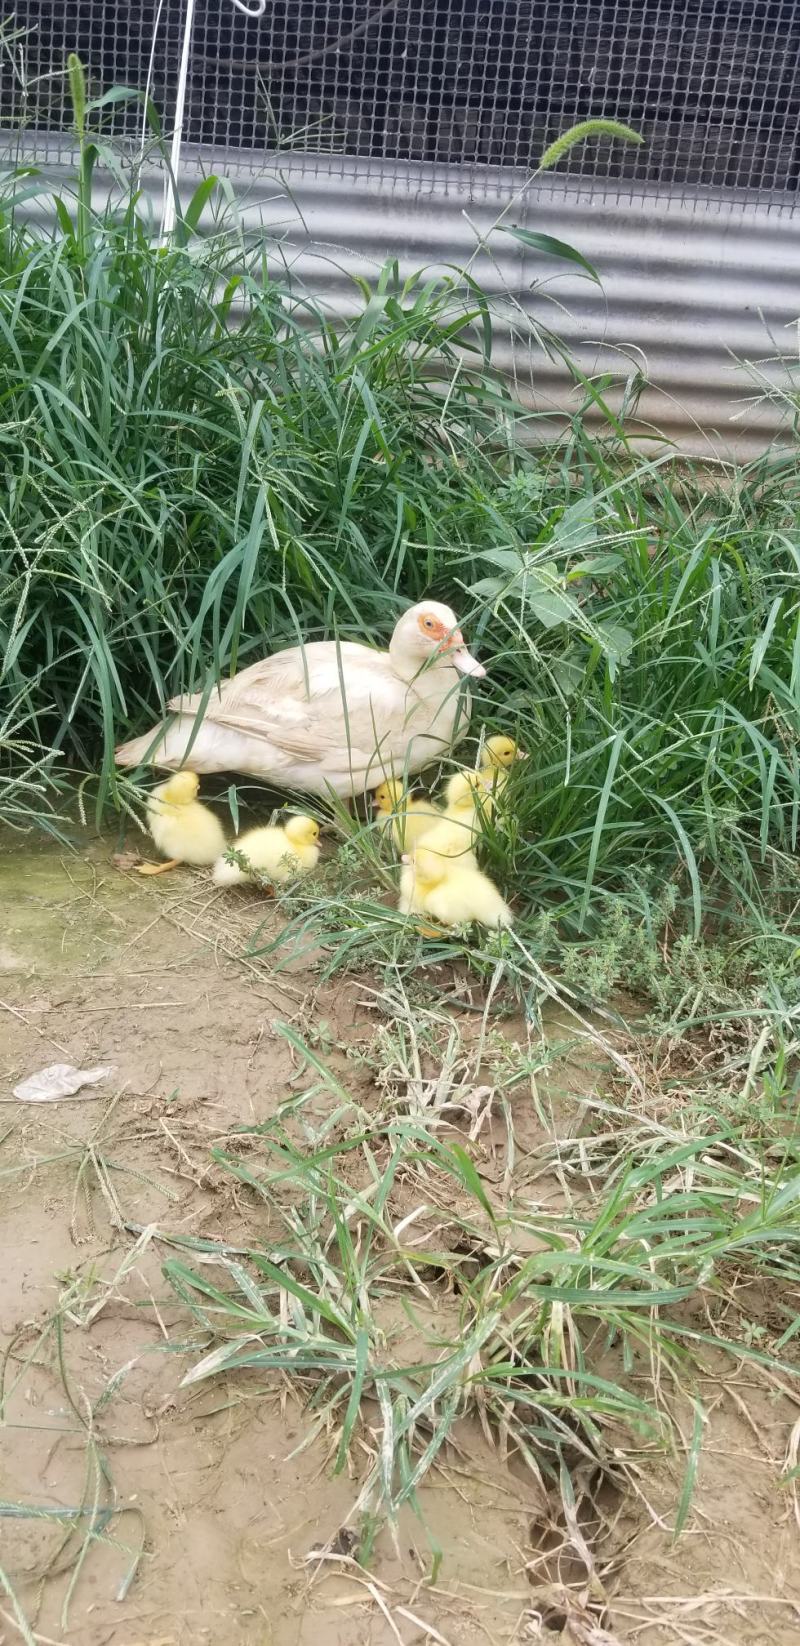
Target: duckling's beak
{"x": 521, "y": 754}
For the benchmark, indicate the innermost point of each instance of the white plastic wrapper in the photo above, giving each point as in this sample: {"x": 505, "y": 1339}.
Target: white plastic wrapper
{"x": 59, "y": 1080}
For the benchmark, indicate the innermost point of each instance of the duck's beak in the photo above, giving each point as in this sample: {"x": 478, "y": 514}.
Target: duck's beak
{"x": 460, "y": 658}
{"x": 466, "y": 663}
{"x": 463, "y": 660}
{"x": 521, "y": 754}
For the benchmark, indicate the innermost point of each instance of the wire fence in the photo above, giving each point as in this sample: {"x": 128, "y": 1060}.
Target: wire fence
{"x": 713, "y": 85}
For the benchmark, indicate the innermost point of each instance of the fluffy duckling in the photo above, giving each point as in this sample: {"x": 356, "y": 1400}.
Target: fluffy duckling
{"x": 467, "y": 805}
{"x": 408, "y": 818}
{"x": 497, "y": 756}
{"x": 280, "y": 853}
{"x": 442, "y": 883}
{"x": 453, "y": 833}
{"x": 182, "y": 829}
{"x": 468, "y": 800}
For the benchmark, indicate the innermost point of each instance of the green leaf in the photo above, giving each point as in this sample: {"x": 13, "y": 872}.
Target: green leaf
{"x": 64, "y": 219}
{"x": 539, "y": 581}
{"x": 488, "y": 588}
{"x": 310, "y": 1300}
{"x": 691, "y": 862}
{"x": 354, "y": 1402}
{"x": 690, "y": 1476}
{"x": 760, "y": 647}
{"x": 552, "y": 248}
{"x": 372, "y": 317}
{"x": 197, "y": 205}
{"x": 544, "y": 594}
{"x": 550, "y": 607}
{"x": 596, "y": 566}
{"x": 116, "y": 94}
{"x": 616, "y": 641}
{"x": 577, "y": 528}
{"x": 469, "y": 1177}
{"x": 599, "y": 823}
{"x": 509, "y": 559}
{"x": 28, "y": 191}
{"x": 568, "y": 672}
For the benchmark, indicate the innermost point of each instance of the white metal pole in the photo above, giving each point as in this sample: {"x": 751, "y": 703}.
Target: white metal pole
{"x": 169, "y": 206}
{"x": 148, "y": 85}
{"x": 171, "y": 183}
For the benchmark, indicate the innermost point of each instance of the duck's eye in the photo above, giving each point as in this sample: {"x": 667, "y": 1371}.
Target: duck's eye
{"x": 429, "y": 622}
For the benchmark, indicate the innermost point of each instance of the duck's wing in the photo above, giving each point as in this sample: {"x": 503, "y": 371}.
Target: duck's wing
{"x": 318, "y": 703}
{"x": 313, "y": 718}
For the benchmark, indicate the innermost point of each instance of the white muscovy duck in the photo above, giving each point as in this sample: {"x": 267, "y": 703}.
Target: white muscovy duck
{"x": 328, "y": 716}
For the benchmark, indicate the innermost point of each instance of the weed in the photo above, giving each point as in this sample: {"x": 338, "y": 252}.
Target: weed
{"x": 518, "y": 1300}
{"x": 184, "y": 494}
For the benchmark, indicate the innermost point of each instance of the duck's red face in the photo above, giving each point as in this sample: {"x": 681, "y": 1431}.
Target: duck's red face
{"x": 438, "y": 633}
{"x": 445, "y": 640}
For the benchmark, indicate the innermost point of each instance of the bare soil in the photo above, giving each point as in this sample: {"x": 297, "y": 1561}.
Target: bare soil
{"x": 223, "y": 1527}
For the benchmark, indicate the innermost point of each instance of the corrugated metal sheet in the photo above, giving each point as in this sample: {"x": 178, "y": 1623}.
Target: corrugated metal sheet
{"x": 690, "y": 287}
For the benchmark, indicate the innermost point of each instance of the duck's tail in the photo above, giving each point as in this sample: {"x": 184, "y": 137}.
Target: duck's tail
{"x": 147, "y": 748}
{"x": 169, "y": 746}
{"x": 225, "y": 873}
{"x": 204, "y": 747}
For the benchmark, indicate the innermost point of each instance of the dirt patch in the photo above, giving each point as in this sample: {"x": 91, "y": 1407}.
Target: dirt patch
{"x": 176, "y": 1515}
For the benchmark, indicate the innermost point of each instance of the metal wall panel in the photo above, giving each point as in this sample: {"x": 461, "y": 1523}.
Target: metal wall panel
{"x": 690, "y": 290}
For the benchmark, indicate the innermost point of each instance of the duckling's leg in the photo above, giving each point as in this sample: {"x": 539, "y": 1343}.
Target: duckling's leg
{"x": 159, "y": 868}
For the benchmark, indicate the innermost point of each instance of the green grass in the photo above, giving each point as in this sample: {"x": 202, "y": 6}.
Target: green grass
{"x": 575, "y": 1332}
{"x": 202, "y": 467}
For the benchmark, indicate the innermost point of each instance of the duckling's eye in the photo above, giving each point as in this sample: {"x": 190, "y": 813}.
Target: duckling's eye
{"x": 429, "y": 622}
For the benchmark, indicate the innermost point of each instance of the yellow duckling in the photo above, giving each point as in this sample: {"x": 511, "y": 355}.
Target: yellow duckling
{"x": 279, "y": 852}
{"x": 446, "y": 885}
{"x": 467, "y": 805}
{"x": 497, "y": 756}
{"x": 453, "y": 832}
{"x": 468, "y": 800}
{"x": 408, "y": 818}
{"x": 182, "y": 829}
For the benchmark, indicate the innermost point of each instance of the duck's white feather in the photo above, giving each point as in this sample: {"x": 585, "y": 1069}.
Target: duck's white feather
{"x": 320, "y": 717}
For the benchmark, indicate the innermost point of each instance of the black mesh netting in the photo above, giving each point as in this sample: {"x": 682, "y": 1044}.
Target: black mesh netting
{"x": 714, "y": 85}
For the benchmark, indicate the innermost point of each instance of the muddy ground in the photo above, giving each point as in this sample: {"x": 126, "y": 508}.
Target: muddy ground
{"x": 218, "y": 1515}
